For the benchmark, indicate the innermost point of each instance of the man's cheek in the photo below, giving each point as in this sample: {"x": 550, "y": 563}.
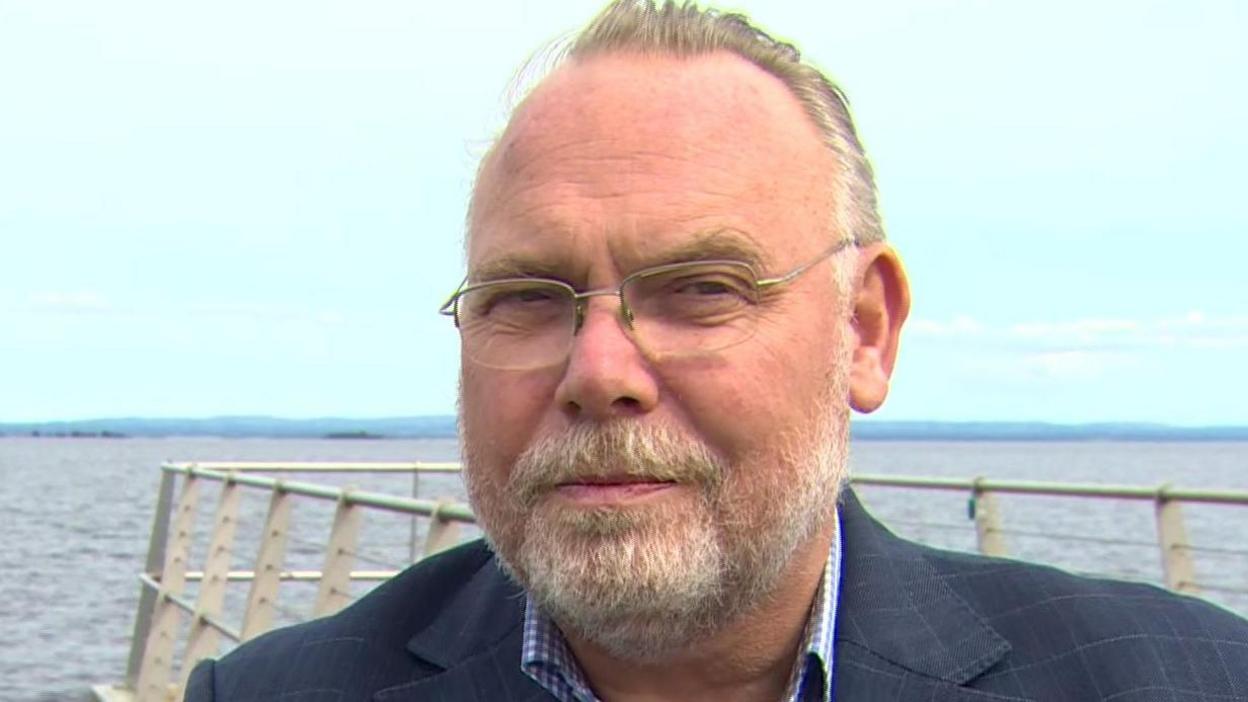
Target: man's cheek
{"x": 507, "y": 412}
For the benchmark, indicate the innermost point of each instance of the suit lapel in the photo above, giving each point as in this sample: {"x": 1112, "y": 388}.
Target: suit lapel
{"x": 493, "y": 675}
{"x": 862, "y": 676}
{"x": 474, "y": 644}
{"x": 901, "y": 631}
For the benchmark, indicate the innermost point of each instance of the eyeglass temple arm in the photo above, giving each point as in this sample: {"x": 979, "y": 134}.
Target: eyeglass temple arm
{"x": 787, "y": 277}
{"x": 448, "y": 307}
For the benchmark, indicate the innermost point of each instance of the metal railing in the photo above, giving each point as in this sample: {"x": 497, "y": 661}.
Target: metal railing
{"x": 1174, "y": 547}
{"x": 164, "y": 606}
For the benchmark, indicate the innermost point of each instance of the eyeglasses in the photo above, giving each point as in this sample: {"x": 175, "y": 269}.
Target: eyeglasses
{"x": 677, "y": 309}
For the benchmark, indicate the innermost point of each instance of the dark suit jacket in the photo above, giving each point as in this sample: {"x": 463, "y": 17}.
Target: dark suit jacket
{"x": 913, "y": 623}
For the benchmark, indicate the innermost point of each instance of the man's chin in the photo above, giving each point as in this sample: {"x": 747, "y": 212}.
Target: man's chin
{"x": 626, "y": 579}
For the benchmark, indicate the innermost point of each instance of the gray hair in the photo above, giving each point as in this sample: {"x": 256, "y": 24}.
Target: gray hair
{"x": 683, "y": 29}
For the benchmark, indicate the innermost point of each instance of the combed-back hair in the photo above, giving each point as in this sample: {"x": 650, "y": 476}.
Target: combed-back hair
{"x": 684, "y": 29}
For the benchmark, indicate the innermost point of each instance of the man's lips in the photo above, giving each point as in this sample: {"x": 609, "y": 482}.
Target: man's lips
{"x": 621, "y": 479}
{"x": 611, "y": 489}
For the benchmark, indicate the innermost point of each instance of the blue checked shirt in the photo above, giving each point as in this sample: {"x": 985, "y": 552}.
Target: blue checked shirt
{"x": 545, "y": 657}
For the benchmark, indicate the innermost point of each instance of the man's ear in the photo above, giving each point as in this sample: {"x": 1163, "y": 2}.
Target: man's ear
{"x": 881, "y": 303}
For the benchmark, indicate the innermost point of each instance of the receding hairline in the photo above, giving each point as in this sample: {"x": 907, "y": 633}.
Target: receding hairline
{"x": 675, "y": 29}
{"x": 518, "y": 120}
{"x": 747, "y": 87}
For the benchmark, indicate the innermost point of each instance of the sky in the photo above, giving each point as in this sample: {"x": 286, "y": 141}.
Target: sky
{"x": 255, "y": 208}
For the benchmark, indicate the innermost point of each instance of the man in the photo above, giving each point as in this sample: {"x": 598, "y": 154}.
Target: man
{"x": 677, "y": 289}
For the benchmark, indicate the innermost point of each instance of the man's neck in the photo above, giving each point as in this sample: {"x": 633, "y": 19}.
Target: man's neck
{"x": 750, "y": 658}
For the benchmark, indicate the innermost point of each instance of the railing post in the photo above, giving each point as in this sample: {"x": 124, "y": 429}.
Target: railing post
{"x": 412, "y": 555}
{"x": 203, "y": 638}
{"x": 335, "y": 588}
{"x": 987, "y": 521}
{"x": 155, "y": 560}
{"x": 156, "y": 669}
{"x": 443, "y": 533}
{"x": 262, "y": 599}
{"x": 1176, "y": 557}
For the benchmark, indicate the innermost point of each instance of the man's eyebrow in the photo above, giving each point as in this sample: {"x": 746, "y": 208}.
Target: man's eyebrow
{"x": 716, "y": 244}
{"x": 514, "y": 266}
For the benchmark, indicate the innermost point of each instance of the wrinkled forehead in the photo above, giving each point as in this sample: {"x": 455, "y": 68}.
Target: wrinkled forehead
{"x": 632, "y": 121}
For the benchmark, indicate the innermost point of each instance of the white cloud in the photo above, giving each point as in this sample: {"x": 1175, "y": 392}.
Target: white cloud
{"x": 262, "y": 313}
{"x": 1198, "y": 320}
{"x": 74, "y": 302}
{"x": 1069, "y": 365}
{"x": 331, "y": 317}
{"x": 960, "y": 325}
{"x": 1192, "y": 330}
{"x": 252, "y": 312}
{"x": 1195, "y": 329}
{"x": 1216, "y": 343}
{"x": 1084, "y": 330}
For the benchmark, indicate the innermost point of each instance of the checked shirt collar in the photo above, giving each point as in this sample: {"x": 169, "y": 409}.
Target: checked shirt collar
{"x": 546, "y": 658}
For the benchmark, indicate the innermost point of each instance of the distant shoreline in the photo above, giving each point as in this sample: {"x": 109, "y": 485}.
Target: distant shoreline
{"x": 444, "y": 427}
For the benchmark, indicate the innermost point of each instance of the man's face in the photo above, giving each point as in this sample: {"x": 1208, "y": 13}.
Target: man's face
{"x": 642, "y": 498}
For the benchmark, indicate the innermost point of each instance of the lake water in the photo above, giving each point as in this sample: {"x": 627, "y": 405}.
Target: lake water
{"x": 80, "y": 510}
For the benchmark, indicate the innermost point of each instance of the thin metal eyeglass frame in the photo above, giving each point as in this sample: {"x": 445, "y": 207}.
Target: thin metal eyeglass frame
{"x": 450, "y": 308}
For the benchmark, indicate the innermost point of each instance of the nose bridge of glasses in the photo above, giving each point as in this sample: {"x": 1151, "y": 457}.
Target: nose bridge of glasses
{"x": 582, "y": 302}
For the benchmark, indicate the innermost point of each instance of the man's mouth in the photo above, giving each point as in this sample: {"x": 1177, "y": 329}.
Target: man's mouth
{"x": 611, "y": 489}
{"x": 616, "y": 479}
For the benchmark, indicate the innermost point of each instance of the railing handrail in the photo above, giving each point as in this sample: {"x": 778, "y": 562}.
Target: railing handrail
{"x": 324, "y": 466}
{"x": 442, "y": 510}
{"x": 1162, "y": 492}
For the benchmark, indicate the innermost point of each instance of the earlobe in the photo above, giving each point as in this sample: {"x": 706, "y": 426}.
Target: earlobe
{"x": 881, "y": 304}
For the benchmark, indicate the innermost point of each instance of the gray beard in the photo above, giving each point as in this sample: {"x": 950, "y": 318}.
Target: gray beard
{"x": 645, "y": 580}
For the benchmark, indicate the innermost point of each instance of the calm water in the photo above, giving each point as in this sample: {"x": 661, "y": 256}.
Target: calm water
{"x": 79, "y": 512}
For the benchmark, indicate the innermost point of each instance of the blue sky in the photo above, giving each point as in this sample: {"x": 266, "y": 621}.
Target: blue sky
{"x": 255, "y": 208}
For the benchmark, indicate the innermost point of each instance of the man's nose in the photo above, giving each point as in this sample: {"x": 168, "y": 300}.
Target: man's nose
{"x": 607, "y": 375}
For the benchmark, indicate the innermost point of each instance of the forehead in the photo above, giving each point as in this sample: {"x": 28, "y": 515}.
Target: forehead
{"x": 642, "y": 152}
{"x": 642, "y": 96}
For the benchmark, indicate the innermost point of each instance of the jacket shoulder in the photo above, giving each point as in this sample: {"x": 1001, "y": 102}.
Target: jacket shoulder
{"x": 1001, "y": 587}
{"x": 910, "y": 614}
{"x": 1119, "y": 638}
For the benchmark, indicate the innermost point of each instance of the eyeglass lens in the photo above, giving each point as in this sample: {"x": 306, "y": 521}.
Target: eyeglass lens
{"x": 686, "y": 309}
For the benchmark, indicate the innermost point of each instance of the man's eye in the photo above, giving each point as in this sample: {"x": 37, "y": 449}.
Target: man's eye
{"x": 700, "y": 298}
{"x": 528, "y": 295}
{"x": 512, "y": 300}
{"x": 710, "y": 287}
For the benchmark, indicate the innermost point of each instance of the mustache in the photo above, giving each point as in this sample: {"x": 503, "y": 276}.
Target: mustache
{"x": 614, "y": 450}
